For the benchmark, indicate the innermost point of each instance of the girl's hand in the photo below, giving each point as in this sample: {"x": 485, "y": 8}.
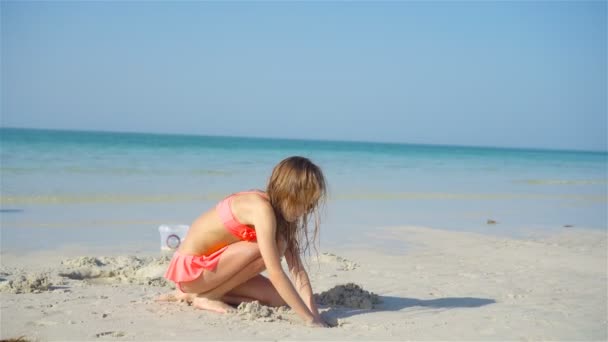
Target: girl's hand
{"x": 318, "y": 322}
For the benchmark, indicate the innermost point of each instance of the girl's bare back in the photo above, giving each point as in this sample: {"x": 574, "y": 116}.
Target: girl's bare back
{"x": 208, "y": 234}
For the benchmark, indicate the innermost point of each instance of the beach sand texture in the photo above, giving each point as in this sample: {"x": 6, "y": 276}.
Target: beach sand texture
{"x": 444, "y": 286}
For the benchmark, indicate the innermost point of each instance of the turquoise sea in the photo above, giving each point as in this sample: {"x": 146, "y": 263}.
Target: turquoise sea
{"x": 95, "y": 188}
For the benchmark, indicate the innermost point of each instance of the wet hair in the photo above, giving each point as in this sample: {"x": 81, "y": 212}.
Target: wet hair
{"x": 297, "y": 189}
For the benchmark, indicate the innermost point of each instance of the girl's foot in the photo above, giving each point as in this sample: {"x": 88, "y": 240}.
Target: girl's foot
{"x": 211, "y": 305}
{"x": 176, "y": 296}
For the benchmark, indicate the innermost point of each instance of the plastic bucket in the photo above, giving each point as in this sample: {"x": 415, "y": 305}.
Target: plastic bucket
{"x": 171, "y": 236}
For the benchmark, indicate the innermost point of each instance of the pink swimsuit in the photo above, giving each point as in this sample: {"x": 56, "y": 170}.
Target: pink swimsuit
{"x": 184, "y": 267}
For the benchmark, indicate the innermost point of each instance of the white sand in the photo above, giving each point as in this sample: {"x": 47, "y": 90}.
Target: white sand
{"x": 445, "y": 286}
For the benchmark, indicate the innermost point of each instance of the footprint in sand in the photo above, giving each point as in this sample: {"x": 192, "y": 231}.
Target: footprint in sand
{"x": 110, "y": 334}
{"x": 343, "y": 263}
{"x": 44, "y": 323}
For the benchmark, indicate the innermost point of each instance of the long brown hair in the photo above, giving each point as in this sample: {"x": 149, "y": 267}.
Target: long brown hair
{"x": 296, "y": 186}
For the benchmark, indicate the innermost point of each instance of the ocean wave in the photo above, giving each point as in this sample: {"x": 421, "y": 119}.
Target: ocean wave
{"x": 13, "y": 200}
{"x": 83, "y": 223}
{"x": 104, "y": 198}
{"x": 466, "y": 196}
{"x": 112, "y": 171}
{"x": 563, "y": 181}
{"x": 207, "y": 172}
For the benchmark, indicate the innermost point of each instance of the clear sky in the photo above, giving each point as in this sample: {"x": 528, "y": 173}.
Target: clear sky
{"x": 517, "y": 74}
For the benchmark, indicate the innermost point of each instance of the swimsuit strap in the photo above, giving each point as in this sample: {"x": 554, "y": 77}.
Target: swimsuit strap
{"x": 238, "y": 229}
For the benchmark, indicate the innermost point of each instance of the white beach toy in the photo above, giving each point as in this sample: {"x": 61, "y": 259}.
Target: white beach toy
{"x": 171, "y": 236}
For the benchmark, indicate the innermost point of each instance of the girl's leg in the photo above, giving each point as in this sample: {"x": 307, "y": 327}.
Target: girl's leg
{"x": 236, "y": 258}
{"x": 238, "y": 263}
{"x": 257, "y": 288}
{"x": 211, "y": 300}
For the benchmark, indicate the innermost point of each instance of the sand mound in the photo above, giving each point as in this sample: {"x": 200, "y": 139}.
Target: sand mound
{"x": 350, "y": 295}
{"x": 27, "y": 283}
{"x": 84, "y": 261}
{"x": 121, "y": 269}
{"x": 254, "y": 311}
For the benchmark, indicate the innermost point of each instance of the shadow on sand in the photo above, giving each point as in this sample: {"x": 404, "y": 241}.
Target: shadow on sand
{"x": 390, "y": 303}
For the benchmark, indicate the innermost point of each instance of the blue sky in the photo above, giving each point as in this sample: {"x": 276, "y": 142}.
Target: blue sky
{"x": 517, "y": 74}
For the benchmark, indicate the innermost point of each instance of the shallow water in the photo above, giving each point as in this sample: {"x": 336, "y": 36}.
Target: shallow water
{"x": 96, "y": 188}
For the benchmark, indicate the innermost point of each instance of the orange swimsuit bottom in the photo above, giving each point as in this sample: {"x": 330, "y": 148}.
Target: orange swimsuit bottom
{"x": 184, "y": 267}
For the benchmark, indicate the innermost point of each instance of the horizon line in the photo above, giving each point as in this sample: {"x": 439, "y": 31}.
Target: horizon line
{"x": 305, "y": 139}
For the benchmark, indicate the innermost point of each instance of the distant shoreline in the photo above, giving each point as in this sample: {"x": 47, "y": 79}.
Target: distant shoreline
{"x": 350, "y": 142}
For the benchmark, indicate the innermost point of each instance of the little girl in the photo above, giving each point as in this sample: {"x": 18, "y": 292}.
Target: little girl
{"x": 227, "y": 248}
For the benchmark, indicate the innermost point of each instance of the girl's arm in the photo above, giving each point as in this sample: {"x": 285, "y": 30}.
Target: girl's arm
{"x": 302, "y": 282}
{"x": 265, "y": 226}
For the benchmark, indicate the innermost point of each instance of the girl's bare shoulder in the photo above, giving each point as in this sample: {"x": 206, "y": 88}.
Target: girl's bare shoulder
{"x": 245, "y": 207}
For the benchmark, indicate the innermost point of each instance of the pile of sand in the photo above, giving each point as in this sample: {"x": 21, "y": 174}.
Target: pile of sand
{"x": 254, "y": 311}
{"x": 88, "y": 270}
{"x": 350, "y": 295}
{"x": 121, "y": 269}
{"x": 83, "y": 261}
{"x": 26, "y": 283}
